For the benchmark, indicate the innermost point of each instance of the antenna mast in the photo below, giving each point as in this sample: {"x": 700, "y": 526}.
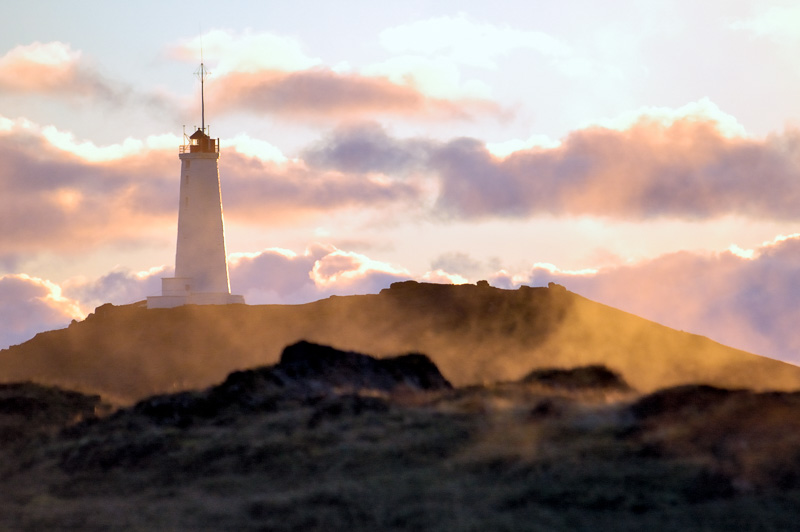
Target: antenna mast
{"x": 202, "y": 73}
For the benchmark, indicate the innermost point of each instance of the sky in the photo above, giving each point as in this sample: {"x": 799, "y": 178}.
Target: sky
{"x": 643, "y": 154}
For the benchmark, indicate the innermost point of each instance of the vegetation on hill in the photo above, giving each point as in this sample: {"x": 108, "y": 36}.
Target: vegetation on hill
{"x": 331, "y": 440}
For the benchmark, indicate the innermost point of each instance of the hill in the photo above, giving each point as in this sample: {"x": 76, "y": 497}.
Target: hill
{"x": 474, "y": 333}
{"x": 332, "y": 440}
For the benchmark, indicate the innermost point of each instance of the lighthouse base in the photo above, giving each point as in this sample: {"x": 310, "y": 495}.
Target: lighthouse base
{"x": 177, "y": 291}
{"x": 207, "y": 298}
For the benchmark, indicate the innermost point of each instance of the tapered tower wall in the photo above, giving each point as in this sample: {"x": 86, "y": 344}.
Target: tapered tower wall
{"x": 200, "y": 255}
{"x": 201, "y": 264}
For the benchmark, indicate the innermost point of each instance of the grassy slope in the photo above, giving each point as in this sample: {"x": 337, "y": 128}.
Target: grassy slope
{"x": 474, "y": 334}
{"x": 504, "y": 457}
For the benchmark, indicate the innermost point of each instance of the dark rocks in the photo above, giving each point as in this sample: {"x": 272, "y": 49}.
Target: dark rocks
{"x": 325, "y": 367}
{"x": 306, "y": 372}
{"x": 347, "y": 405}
{"x": 178, "y": 409}
{"x": 27, "y": 409}
{"x": 250, "y": 389}
{"x": 680, "y": 399}
{"x": 581, "y": 378}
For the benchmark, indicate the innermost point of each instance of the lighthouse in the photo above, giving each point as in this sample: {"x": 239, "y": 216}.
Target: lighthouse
{"x": 201, "y": 263}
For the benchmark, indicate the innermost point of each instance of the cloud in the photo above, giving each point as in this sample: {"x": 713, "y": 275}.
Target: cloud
{"x": 507, "y": 147}
{"x": 275, "y": 276}
{"x": 455, "y": 261}
{"x": 748, "y": 303}
{"x": 119, "y": 287}
{"x": 442, "y": 277}
{"x": 467, "y": 42}
{"x": 39, "y": 67}
{"x": 282, "y": 276}
{"x": 259, "y": 149}
{"x": 366, "y": 147}
{"x": 29, "y": 305}
{"x": 271, "y": 74}
{"x": 686, "y": 169}
{"x": 53, "y": 68}
{"x": 703, "y": 110}
{"x": 255, "y": 191}
{"x": 436, "y": 77}
{"x": 354, "y": 273}
{"x": 61, "y": 194}
{"x": 250, "y": 52}
{"x": 777, "y": 23}
{"x": 322, "y": 93}
{"x": 56, "y": 200}
{"x": 689, "y": 163}
{"x": 90, "y": 152}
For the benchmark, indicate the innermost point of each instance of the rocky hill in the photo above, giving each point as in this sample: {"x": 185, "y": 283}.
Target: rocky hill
{"x": 474, "y": 333}
{"x": 332, "y": 440}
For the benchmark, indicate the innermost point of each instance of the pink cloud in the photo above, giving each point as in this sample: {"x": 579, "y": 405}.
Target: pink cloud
{"x": 281, "y": 276}
{"x": 53, "y": 68}
{"x": 55, "y": 199}
{"x": 275, "y": 275}
{"x": 354, "y": 272}
{"x": 686, "y": 169}
{"x": 29, "y": 305}
{"x": 366, "y": 147}
{"x": 255, "y": 191}
{"x": 248, "y": 51}
{"x": 39, "y": 66}
{"x": 323, "y": 93}
{"x": 119, "y": 287}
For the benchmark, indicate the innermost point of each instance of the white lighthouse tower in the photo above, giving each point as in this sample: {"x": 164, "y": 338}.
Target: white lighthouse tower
{"x": 201, "y": 264}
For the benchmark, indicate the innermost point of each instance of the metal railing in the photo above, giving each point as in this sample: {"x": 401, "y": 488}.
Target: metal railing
{"x": 187, "y": 148}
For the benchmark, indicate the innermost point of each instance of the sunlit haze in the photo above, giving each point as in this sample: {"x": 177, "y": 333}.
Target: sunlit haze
{"x": 645, "y": 155}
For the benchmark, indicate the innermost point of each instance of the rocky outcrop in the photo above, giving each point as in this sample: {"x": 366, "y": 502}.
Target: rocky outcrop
{"x": 28, "y": 409}
{"x": 336, "y": 440}
{"x": 581, "y": 378}
{"x": 319, "y": 366}
{"x": 306, "y": 372}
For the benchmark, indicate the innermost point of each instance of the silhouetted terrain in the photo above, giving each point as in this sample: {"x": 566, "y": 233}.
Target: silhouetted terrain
{"x": 332, "y": 440}
{"x": 529, "y": 409}
{"x": 475, "y": 334}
